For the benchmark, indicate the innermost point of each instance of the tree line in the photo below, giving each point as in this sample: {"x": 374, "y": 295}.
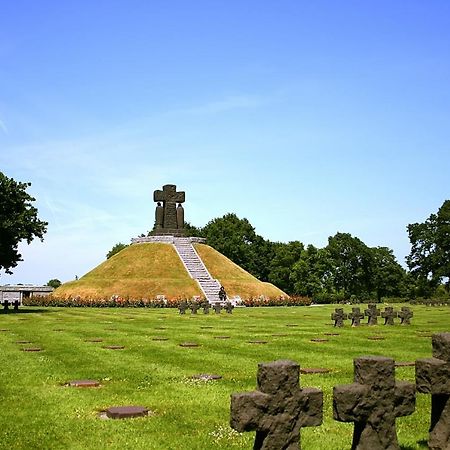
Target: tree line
{"x": 345, "y": 268}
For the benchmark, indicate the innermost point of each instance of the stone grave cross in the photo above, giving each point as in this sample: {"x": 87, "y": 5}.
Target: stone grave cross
{"x": 389, "y": 314}
{"x": 278, "y": 409}
{"x": 373, "y": 402}
{"x": 405, "y": 315}
{"x": 372, "y": 312}
{"x": 356, "y": 315}
{"x": 338, "y": 316}
{"x": 433, "y": 377}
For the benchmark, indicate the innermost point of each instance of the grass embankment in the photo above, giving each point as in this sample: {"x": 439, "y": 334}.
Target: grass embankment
{"x": 147, "y": 270}
{"x": 38, "y": 412}
{"x": 235, "y": 279}
{"x": 138, "y": 271}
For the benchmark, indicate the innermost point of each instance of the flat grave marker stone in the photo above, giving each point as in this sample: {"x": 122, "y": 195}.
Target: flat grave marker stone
{"x": 126, "y": 412}
{"x": 83, "y": 383}
{"x": 189, "y": 344}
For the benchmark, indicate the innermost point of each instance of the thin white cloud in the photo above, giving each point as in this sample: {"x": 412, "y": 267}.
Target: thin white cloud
{"x": 3, "y": 127}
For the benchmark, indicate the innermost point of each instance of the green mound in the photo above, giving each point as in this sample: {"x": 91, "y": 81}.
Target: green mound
{"x": 148, "y": 270}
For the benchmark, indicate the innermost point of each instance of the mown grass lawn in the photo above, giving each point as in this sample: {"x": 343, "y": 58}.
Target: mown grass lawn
{"x": 38, "y": 412}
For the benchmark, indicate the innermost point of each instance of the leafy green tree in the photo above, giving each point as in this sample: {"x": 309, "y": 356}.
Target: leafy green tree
{"x": 429, "y": 259}
{"x": 236, "y": 239}
{"x": 280, "y": 267}
{"x": 192, "y": 230}
{"x": 54, "y": 283}
{"x": 18, "y": 221}
{"x": 311, "y": 273}
{"x": 352, "y": 264}
{"x": 116, "y": 249}
{"x": 389, "y": 279}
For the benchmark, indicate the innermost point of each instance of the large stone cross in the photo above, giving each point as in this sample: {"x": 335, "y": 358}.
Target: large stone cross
{"x": 356, "y": 315}
{"x": 372, "y": 312}
{"x": 373, "y": 402}
{"x": 389, "y": 314}
{"x": 278, "y": 409}
{"x": 166, "y": 217}
{"x": 338, "y": 316}
{"x": 433, "y": 377}
{"x": 405, "y": 314}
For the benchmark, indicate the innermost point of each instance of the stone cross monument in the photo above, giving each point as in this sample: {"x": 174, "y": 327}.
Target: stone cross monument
{"x": 169, "y": 218}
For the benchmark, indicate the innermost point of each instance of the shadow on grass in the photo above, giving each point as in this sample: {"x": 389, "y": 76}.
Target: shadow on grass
{"x": 25, "y": 311}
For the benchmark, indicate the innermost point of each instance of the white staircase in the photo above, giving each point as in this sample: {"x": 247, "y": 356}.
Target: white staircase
{"x": 196, "y": 269}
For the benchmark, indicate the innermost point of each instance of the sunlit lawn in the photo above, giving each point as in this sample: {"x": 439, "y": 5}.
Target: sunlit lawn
{"x": 38, "y": 412}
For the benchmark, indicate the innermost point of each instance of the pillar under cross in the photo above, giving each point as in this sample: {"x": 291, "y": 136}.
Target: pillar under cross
{"x": 373, "y": 402}
{"x": 433, "y": 377}
{"x": 278, "y": 409}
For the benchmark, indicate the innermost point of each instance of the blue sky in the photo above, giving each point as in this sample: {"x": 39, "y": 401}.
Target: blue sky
{"x": 307, "y": 118}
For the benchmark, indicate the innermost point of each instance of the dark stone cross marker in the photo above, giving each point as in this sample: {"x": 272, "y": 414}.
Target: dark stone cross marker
{"x": 338, "y": 316}
{"x": 372, "y": 312}
{"x": 278, "y": 409}
{"x": 194, "y": 308}
{"x": 182, "y": 307}
{"x": 389, "y": 314}
{"x": 433, "y": 377}
{"x": 229, "y": 307}
{"x": 356, "y": 315}
{"x": 373, "y": 402}
{"x": 405, "y": 315}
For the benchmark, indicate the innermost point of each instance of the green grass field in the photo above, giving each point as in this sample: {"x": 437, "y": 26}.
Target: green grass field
{"x": 38, "y": 412}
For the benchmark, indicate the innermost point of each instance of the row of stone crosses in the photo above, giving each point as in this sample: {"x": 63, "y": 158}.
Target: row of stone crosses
{"x": 279, "y": 408}
{"x": 195, "y": 306}
{"x": 372, "y": 313}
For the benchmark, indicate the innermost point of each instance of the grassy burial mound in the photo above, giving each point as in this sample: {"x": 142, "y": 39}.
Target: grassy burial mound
{"x": 148, "y": 270}
{"x": 236, "y": 280}
{"x": 138, "y": 271}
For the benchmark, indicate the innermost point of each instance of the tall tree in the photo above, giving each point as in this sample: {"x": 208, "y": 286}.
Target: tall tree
{"x": 312, "y": 273}
{"x": 18, "y": 221}
{"x": 388, "y": 276}
{"x": 351, "y": 264}
{"x": 429, "y": 259}
{"x": 280, "y": 267}
{"x": 236, "y": 239}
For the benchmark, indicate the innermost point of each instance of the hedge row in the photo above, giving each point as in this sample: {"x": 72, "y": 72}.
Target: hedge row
{"x": 119, "y": 302}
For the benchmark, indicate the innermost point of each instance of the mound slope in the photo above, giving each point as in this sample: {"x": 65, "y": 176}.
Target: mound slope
{"x": 151, "y": 269}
